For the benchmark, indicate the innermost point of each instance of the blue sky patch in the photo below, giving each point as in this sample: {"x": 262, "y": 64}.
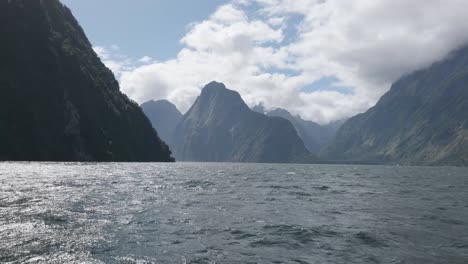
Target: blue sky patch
{"x": 328, "y": 83}
{"x": 141, "y": 28}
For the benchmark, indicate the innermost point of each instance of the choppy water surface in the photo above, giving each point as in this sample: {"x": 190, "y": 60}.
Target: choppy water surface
{"x": 231, "y": 213}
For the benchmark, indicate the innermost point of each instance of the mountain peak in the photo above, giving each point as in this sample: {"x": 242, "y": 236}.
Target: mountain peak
{"x": 214, "y": 88}
{"x": 281, "y": 112}
{"x": 314, "y": 135}
{"x": 162, "y": 102}
{"x": 164, "y": 117}
{"x": 221, "y": 127}
{"x": 214, "y": 85}
{"x": 215, "y": 95}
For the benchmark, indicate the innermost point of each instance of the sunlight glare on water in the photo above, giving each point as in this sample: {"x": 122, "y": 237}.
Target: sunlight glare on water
{"x": 231, "y": 213}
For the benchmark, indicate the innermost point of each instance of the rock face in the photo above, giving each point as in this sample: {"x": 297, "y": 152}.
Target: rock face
{"x": 221, "y": 127}
{"x": 422, "y": 120}
{"x": 58, "y": 101}
{"x": 164, "y": 117}
{"x": 315, "y": 136}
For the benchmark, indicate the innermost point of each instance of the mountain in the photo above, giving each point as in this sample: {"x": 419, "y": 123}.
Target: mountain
{"x": 164, "y": 117}
{"x": 315, "y": 136}
{"x": 221, "y": 127}
{"x": 58, "y": 102}
{"x": 259, "y": 108}
{"x": 422, "y": 120}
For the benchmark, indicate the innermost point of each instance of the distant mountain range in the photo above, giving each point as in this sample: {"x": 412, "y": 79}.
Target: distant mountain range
{"x": 221, "y": 127}
{"x": 315, "y": 136}
{"x": 164, "y": 117}
{"x": 422, "y": 120}
{"x": 58, "y": 102}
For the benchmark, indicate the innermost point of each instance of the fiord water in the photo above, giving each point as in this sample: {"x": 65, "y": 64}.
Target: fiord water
{"x": 232, "y": 213}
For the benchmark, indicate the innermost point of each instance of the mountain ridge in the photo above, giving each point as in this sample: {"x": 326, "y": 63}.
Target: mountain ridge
{"x": 315, "y": 136}
{"x": 422, "y": 120}
{"x": 164, "y": 117}
{"x": 221, "y": 127}
{"x": 59, "y": 102}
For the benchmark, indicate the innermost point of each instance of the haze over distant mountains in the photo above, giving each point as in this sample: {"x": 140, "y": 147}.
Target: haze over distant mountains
{"x": 221, "y": 127}
{"x": 315, "y": 136}
{"x": 164, "y": 117}
{"x": 422, "y": 120}
{"x": 58, "y": 101}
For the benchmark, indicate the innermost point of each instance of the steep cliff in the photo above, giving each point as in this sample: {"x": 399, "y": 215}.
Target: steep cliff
{"x": 164, "y": 117}
{"x": 422, "y": 120}
{"x": 221, "y": 127}
{"x": 58, "y": 101}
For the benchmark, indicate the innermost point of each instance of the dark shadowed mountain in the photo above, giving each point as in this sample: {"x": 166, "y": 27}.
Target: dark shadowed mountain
{"x": 221, "y": 127}
{"x": 58, "y": 101}
{"x": 423, "y": 119}
{"x": 164, "y": 117}
{"x": 315, "y": 136}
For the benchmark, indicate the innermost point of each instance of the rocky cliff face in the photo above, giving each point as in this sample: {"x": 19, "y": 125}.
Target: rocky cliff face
{"x": 221, "y": 127}
{"x": 164, "y": 117}
{"x": 422, "y": 120}
{"x": 58, "y": 101}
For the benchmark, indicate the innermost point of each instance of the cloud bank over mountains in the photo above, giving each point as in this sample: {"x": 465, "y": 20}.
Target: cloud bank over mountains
{"x": 322, "y": 59}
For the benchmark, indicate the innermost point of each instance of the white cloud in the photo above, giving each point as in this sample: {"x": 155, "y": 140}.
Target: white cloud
{"x": 276, "y": 21}
{"x": 115, "y": 47}
{"x": 228, "y": 14}
{"x": 145, "y": 59}
{"x": 102, "y": 52}
{"x": 115, "y": 61}
{"x": 366, "y": 44}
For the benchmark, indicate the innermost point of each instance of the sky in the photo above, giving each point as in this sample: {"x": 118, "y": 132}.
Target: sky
{"x": 324, "y": 60}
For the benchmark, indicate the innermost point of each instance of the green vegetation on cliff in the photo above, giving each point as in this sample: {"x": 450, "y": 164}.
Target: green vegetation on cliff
{"x": 58, "y": 102}
{"x": 422, "y": 120}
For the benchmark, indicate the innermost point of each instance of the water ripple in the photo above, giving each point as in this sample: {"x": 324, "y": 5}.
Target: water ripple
{"x": 231, "y": 213}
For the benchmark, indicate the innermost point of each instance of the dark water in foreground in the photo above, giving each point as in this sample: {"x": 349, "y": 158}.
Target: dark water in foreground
{"x": 232, "y": 213}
